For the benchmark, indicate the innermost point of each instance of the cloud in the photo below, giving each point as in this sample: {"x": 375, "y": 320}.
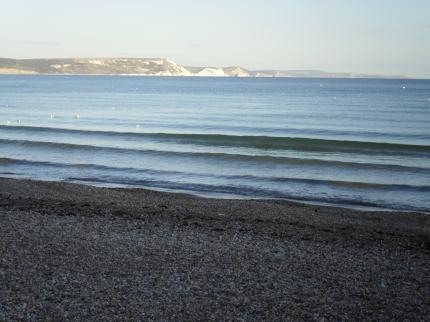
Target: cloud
{"x": 37, "y": 43}
{"x": 193, "y": 45}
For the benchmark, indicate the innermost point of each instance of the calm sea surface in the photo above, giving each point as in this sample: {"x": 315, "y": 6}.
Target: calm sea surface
{"x": 354, "y": 142}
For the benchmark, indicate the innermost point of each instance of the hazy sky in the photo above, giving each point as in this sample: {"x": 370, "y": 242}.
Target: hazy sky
{"x": 368, "y": 36}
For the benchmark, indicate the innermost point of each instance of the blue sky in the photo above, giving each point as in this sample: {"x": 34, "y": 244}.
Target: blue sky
{"x": 368, "y": 36}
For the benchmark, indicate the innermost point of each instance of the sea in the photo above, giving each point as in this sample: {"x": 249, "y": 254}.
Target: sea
{"x": 361, "y": 143}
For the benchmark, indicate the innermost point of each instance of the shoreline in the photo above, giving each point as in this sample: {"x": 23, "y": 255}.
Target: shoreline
{"x": 73, "y": 251}
{"x": 228, "y": 196}
{"x": 233, "y": 197}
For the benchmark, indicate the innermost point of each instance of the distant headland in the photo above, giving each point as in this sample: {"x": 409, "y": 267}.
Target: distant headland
{"x": 153, "y": 67}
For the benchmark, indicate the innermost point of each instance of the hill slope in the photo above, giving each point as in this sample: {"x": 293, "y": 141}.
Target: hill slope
{"x": 149, "y": 67}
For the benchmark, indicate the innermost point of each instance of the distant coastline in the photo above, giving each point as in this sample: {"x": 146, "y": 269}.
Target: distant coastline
{"x": 154, "y": 67}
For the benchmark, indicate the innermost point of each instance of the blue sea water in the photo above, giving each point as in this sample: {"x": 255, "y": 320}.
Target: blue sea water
{"x": 355, "y": 142}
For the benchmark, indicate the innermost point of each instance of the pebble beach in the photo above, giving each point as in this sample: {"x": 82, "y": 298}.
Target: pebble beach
{"x": 73, "y": 252}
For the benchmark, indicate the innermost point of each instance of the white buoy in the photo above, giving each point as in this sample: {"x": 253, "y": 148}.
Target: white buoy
{"x": 51, "y": 116}
{"x": 404, "y": 87}
{"x": 18, "y": 121}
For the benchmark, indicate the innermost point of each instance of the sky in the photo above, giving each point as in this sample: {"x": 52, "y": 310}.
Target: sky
{"x": 390, "y": 37}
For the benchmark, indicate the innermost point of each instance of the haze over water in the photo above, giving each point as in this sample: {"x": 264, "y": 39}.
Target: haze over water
{"x": 357, "y": 142}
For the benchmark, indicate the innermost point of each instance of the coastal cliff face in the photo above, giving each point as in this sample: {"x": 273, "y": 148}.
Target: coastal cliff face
{"x": 113, "y": 66}
{"x": 96, "y": 66}
{"x": 150, "y": 67}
